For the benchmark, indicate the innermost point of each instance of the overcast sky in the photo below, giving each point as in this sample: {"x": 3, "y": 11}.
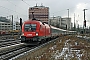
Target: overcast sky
{"x": 19, "y": 8}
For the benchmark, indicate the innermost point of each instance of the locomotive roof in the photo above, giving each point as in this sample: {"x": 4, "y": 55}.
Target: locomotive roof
{"x": 58, "y": 28}
{"x": 61, "y": 29}
{"x": 32, "y": 21}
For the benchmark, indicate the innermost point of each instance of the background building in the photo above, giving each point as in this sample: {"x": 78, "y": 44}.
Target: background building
{"x": 4, "y": 19}
{"x": 55, "y": 21}
{"x": 6, "y": 25}
{"x": 40, "y": 13}
{"x": 64, "y": 23}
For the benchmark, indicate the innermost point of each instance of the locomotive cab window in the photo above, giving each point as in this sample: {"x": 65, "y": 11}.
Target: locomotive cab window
{"x": 30, "y": 27}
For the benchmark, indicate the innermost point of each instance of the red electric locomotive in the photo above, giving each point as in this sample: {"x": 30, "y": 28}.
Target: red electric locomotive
{"x": 34, "y": 32}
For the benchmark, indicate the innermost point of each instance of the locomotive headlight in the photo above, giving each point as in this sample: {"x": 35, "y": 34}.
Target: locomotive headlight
{"x": 36, "y": 34}
{"x": 22, "y": 33}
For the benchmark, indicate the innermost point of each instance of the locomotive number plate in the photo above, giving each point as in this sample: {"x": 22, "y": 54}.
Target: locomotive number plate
{"x": 29, "y": 34}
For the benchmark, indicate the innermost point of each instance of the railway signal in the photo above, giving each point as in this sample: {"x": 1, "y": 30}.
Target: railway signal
{"x": 85, "y": 23}
{"x": 66, "y": 27}
{"x": 21, "y": 22}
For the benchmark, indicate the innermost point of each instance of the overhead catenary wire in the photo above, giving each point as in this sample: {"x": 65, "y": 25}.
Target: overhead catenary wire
{"x": 12, "y": 13}
{"x": 9, "y": 9}
{"x": 15, "y": 5}
{"x": 29, "y": 5}
{"x": 25, "y": 2}
{"x": 67, "y": 8}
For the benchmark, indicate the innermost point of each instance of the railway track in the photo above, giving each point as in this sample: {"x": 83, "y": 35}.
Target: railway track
{"x": 9, "y": 36}
{"x": 5, "y": 43}
{"x": 12, "y": 51}
{"x": 84, "y": 38}
{"x": 8, "y": 53}
{"x": 7, "y": 46}
{"x": 4, "y": 51}
{"x": 1, "y": 41}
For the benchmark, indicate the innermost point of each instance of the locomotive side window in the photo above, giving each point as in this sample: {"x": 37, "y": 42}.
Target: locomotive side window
{"x": 30, "y": 27}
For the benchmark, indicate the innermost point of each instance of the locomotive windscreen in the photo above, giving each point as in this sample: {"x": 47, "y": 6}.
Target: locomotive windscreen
{"x": 30, "y": 27}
